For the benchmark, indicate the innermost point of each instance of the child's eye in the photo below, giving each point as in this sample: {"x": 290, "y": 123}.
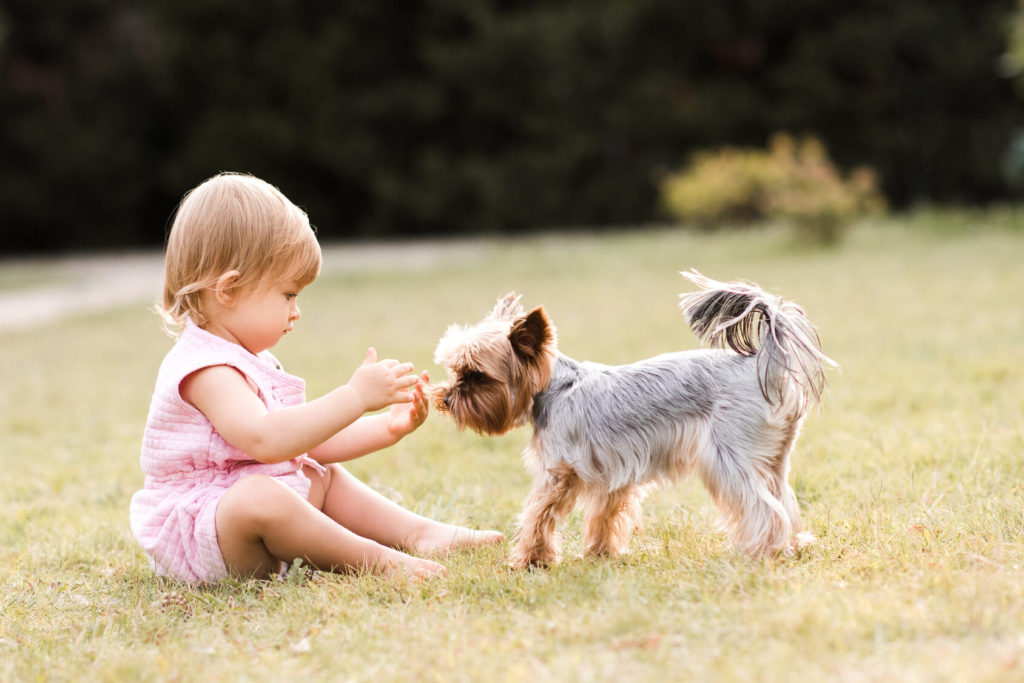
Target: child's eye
{"x": 290, "y": 296}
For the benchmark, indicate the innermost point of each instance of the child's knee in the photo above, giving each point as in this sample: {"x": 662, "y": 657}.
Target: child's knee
{"x": 332, "y": 473}
{"x": 256, "y": 497}
{"x": 335, "y": 475}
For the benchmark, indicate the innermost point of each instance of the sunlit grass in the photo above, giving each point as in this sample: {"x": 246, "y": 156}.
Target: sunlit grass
{"x": 911, "y": 476}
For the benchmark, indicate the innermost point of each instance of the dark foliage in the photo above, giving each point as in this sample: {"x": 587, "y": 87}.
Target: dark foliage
{"x": 389, "y": 118}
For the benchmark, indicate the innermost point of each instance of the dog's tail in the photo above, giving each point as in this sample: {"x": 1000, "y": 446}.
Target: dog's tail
{"x": 752, "y": 322}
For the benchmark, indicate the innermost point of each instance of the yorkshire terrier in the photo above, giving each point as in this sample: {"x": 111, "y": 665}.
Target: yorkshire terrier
{"x": 607, "y": 434}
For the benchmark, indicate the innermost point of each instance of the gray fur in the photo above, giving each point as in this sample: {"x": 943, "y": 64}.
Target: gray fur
{"x": 621, "y": 425}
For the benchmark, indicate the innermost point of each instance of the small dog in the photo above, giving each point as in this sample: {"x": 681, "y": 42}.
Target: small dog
{"x": 607, "y": 434}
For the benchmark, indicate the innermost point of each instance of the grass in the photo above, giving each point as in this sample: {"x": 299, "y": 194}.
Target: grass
{"x": 910, "y": 475}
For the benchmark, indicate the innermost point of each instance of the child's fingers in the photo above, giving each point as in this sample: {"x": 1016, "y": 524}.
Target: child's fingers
{"x": 422, "y": 404}
{"x": 402, "y": 370}
{"x": 371, "y": 356}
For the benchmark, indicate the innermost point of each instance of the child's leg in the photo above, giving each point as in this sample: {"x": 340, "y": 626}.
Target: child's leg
{"x": 261, "y": 521}
{"x": 364, "y": 511}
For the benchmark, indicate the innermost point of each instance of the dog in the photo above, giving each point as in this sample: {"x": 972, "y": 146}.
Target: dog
{"x": 607, "y": 434}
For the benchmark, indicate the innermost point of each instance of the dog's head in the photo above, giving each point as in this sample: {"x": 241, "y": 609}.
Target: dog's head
{"x": 495, "y": 367}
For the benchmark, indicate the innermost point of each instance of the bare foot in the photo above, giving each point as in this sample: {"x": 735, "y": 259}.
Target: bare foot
{"x": 439, "y": 539}
{"x": 402, "y": 566}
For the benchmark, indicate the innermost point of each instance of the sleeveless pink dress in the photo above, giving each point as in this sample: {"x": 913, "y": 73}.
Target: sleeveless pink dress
{"x": 189, "y": 466}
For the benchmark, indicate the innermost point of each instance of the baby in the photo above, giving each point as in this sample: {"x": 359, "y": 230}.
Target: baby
{"x": 242, "y": 472}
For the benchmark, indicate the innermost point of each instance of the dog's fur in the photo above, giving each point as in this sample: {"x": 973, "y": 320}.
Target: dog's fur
{"x": 606, "y": 434}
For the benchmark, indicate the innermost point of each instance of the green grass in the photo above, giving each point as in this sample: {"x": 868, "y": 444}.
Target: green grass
{"x": 911, "y": 475}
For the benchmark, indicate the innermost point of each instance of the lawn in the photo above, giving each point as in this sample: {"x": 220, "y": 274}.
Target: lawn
{"x": 910, "y": 474}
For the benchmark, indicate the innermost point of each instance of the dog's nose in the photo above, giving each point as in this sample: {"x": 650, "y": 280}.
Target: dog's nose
{"x": 447, "y": 400}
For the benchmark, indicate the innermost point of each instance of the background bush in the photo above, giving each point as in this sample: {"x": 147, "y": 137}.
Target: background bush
{"x": 404, "y": 118}
{"x": 794, "y": 182}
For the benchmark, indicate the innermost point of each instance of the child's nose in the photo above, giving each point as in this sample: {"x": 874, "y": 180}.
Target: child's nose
{"x": 296, "y": 313}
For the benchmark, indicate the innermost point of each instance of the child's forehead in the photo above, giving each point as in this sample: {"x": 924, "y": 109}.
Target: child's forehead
{"x": 291, "y": 284}
{"x": 279, "y": 284}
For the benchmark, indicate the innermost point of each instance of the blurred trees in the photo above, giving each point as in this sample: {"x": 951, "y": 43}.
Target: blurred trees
{"x": 1013, "y": 67}
{"x": 385, "y": 118}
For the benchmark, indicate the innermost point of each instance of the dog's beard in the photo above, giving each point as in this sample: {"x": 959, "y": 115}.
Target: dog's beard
{"x": 483, "y": 409}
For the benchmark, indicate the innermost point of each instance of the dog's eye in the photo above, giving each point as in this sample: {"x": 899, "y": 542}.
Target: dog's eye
{"x": 473, "y": 377}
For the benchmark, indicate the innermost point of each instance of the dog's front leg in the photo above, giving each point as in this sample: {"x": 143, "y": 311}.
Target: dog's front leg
{"x": 609, "y": 521}
{"x": 551, "y": 500}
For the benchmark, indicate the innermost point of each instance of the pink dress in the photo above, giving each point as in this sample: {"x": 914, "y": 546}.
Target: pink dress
{"x": 189, "y": 466}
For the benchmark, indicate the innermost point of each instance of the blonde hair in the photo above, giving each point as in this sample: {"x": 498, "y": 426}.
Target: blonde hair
{"x": 233, "y": 221}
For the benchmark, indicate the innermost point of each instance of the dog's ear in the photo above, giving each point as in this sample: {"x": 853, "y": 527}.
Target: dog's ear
{"x": 508, "y": 306}
{"x": 532, "y": 334}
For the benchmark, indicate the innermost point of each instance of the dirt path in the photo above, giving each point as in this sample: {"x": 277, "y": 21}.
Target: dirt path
{"x": 76, "y": 284}
{"x": 83, "y": 284}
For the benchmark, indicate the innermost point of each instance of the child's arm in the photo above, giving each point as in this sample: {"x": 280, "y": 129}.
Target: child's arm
{"x": 374, "y": 432}
{"x": 224, "y": 396}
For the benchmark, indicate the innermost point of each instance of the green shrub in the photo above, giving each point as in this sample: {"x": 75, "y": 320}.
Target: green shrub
{"x": 795, "y": 182}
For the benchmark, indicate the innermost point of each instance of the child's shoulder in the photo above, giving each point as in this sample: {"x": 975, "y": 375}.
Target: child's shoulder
{"x": 195, "y": 341}
{"x": 196, "y": 348}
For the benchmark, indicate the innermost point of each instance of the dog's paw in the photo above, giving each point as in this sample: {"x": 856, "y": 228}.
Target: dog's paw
{"x": 521, "y": 561}
{"x": 799, "y": 543}
{"x": 605, "y": 551}
{"x": 804, "y": 539}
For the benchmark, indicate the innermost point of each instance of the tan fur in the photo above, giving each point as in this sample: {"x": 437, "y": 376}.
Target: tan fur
{"x": 610, "y": 519}
{"x": 549, "y": 503}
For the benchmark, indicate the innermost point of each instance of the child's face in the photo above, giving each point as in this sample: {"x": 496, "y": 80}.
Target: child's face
{"x": 259, "y": 318}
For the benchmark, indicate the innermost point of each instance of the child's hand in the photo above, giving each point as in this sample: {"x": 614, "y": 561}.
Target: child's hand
{"x": 405, "y": 417}
{"x": 379, "y": 384}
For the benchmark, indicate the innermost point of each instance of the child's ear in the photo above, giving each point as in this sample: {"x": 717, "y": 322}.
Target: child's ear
{"x": 225, "y": 287}
{"x": 531, "y": 334}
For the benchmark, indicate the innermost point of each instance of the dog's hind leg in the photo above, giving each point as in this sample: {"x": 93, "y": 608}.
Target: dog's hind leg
{"x": 758, "y": 522}
{"x": 609, "y": 521}
{"x": 777, "y": 479}
{"x": 799, "y": 537}
{"x": 784, "y": 492}
{"x": 551, "y": 500}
